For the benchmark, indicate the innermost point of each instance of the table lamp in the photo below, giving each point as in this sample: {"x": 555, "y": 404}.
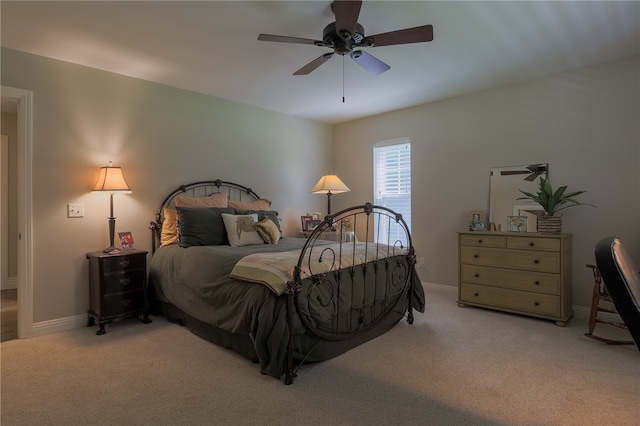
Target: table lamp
{"x": 111, "y": 180}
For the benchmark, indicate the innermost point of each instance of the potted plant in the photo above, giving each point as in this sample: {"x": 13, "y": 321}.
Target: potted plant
{"x": 552, "y": 202}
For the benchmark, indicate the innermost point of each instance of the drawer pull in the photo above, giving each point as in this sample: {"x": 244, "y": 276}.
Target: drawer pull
{"x": 477, "y": 275}
{"x": 531, "y": 244}
{"x": 125, "y": 302}
{"x": 537, "y": 303}
{"x": 476, "y": 294}
{"x": 125, "y": 281}
{"x": 537, "y": 283}
{"x": 475, "y": 256}
{"x": 124, "y": 263}
{"x": 536, "y": 261}
{"x": 480, "y": 241}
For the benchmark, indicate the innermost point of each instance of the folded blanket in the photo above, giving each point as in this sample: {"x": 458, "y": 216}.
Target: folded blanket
{"x": 275, "y": 270}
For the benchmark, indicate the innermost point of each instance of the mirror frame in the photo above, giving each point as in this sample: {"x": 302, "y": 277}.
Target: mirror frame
{"x": 504, "y": 189}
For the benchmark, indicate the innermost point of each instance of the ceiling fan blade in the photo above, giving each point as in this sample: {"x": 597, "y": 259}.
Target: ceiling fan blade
{"x": 370, "y": 63}
{"x": 406, "y": 36}
{"x": 346, "y": 12}
{"x": 311, "y": 66}
{"x": 285, "y": 39}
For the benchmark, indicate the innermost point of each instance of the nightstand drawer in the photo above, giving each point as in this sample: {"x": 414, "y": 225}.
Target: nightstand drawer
{"x": 124, "y": 282}
{"x": 122, "y": 263}
{"x": 534, "y": 303}
{"x": 122, "y": 303}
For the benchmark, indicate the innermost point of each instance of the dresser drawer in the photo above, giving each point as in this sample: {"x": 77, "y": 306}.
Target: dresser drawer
{"x": 123, "y": 263}
{"x": 533, "y": 243}
{"x": 511, "y": 259}
{"x": 539, "y": 282}
{"x": 115, "y": 305}
{"x": 483, "y": 240}
{"x": 124, "y": 282}
{"x": 533, "y": 303}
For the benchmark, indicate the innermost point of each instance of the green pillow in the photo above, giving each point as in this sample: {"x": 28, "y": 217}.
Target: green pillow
{"x": 202, "y": 226}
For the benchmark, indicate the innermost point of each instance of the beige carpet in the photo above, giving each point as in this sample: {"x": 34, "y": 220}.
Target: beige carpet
{"x": 454, "y": 366}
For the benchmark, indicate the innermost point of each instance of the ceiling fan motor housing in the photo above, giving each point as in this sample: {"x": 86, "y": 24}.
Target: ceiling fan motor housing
{"x": 341, "y": 45}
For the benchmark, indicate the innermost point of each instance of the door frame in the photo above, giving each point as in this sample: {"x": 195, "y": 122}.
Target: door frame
{"x": 24, "y": 99}
{"x": 4, "y": 217}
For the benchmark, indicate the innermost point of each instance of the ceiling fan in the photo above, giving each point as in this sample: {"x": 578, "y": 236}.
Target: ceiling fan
{"x": 346, "y": 37}
{"x": 532, "y": 171}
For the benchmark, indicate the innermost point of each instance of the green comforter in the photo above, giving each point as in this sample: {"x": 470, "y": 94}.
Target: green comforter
{"x": 196, "y": 280}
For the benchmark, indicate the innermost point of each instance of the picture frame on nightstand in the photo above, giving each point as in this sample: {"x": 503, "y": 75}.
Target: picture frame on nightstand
{"x": 310, "y": 223}
{"x": 126, "y": 240}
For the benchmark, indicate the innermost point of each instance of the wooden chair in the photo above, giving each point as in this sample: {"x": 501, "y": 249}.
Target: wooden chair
{"x": 601, "y": 302}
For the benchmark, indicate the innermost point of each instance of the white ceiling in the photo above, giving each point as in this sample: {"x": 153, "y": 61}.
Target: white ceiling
{"x": 211, "y": 47}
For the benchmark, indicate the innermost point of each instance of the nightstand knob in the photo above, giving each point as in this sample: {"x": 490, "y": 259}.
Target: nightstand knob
{"x": 479, "y": 241}
{"x": 124, "y": 263}
{"x": 475, "y": 256}
{"x": 537, "y": 303}
{"x": 125, "y": 281}
{"x": 476, "y": 294}
{"x": 537, "y": 283}
{"x": 531, "y": 244}
{"x": 536, "y": 261}
{"x": 477, "y": 275}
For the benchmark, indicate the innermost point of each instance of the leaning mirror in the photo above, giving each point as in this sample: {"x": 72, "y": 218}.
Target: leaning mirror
{"x": 505, "y": 186}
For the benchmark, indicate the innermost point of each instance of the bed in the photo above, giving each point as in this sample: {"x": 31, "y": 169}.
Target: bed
{"x": 279, "y": 301}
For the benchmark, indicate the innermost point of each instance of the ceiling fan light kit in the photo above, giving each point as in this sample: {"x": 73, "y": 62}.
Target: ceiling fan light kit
{"x": 347, "y": 37}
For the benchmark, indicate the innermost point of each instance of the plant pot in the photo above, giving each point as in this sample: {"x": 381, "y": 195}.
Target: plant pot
{"x": 550, "y": 224}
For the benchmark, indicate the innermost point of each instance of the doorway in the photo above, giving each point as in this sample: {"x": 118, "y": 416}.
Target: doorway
{"x": 23, "y": 100}
{"x": 8, "y": 290}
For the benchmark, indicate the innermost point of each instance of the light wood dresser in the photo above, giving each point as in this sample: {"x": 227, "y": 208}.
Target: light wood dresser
{"x": 523, "y": 273}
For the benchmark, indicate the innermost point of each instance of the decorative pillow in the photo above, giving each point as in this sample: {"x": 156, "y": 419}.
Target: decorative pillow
{"x": 169, "y": 234}
{"x": 268, "y": 230}
{"x": 218, "y": 199}
{"x": 202, "y": 226}
{"x": 271, "y": 214}
{"x": 241, "y": 229}
{"x": 261, "y": 204}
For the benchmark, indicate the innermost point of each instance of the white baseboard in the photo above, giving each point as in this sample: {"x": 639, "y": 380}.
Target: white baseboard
{"x": 58, "y": 325}
{"x": 12, "y": 283}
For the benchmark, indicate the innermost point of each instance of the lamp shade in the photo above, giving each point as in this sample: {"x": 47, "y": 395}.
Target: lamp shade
{"x": 112, "y": 180}
{"x": 330, "y": 184}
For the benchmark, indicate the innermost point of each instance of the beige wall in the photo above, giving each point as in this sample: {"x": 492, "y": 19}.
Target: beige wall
{"x": 583, "y": 123}
{"x": 9, "y": 127}
{"x": 162, "y": 137}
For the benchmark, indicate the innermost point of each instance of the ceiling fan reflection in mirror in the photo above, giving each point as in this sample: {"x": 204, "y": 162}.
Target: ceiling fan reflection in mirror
{"x": 347, "y": 37}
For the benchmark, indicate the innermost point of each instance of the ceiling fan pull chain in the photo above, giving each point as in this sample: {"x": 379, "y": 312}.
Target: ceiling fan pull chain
{"x": 342, "y": 78}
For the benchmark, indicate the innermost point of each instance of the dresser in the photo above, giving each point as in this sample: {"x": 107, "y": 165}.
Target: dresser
{"x": 117, "y": 286}
{"x": 523, "y": 273}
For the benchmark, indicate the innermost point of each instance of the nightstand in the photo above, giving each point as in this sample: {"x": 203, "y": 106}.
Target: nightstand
{"x": 117, "y": 287}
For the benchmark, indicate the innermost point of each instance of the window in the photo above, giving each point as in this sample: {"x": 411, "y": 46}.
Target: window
{"x": 392, "y": 180}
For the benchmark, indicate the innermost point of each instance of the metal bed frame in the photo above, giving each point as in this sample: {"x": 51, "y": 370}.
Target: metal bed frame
{"x": 391, "y": 273}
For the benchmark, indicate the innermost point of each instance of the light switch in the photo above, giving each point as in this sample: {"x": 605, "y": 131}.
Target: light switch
{"x": 75, "y": 210}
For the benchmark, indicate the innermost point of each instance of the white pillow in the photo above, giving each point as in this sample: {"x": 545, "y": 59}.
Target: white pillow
{"x": 241, "y": 229}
